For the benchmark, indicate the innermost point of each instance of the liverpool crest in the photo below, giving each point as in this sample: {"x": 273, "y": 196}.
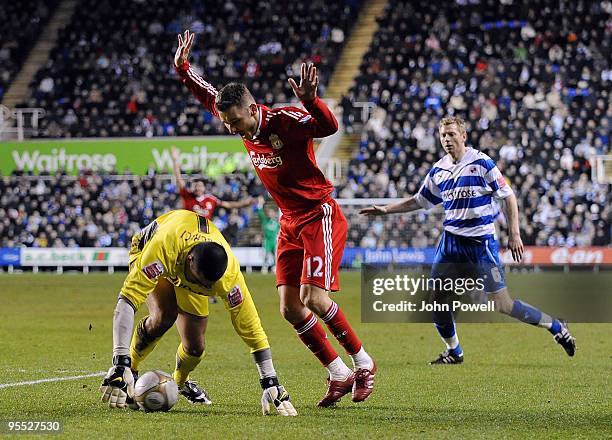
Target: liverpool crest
{"x": 277, "y": 144}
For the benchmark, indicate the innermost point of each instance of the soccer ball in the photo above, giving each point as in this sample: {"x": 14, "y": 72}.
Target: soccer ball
{"x": 155, "y": 391}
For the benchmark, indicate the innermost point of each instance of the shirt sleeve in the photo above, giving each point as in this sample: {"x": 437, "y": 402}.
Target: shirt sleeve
{"x": 185, "y": 193}
{"x": 215, "y": 201}
{"x": 262, "y": 215}
{"x": 144, "y": 273}
{"x": 201, "y": 89}
{"x": 429, "y": 194}
{"x": 317, "y": 122}
{"x": 497, "y": 183}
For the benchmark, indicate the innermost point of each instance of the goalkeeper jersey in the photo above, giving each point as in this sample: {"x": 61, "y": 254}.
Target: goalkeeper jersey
{"x": 270, "y": 227}
{"x": 161, "y": 249}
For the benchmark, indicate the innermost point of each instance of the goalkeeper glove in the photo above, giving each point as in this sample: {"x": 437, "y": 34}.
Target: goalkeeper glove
{"x": 278, "y": 396}
{"x": 118, "y": 385}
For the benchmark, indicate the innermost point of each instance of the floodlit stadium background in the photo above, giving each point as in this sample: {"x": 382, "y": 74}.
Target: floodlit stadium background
{"x": 91, "y": 108}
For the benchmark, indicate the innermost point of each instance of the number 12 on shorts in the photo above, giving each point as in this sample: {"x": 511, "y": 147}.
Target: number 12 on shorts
{"x": 318, "y": 265}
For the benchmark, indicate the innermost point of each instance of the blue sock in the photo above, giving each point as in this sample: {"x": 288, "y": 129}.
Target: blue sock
{"x": 526, "y": 313}
{"x": 529, "y": 314}
{"x": 445, "y": 325}
{"x": 457, "y": 351}
{"x": 555, "y": 327}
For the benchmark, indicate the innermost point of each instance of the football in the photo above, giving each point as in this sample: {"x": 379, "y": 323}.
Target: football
{"x": 155, "y": 391}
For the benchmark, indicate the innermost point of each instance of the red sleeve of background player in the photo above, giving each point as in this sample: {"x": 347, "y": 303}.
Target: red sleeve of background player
{"x": 215, "y": 201}
{"x": 202, "y": 90}
{"x": 186, "y": 196}
{"x": 318, "y": 122}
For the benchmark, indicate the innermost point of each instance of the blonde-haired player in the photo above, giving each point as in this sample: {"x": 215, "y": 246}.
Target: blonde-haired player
{"x": 176, "y": 263}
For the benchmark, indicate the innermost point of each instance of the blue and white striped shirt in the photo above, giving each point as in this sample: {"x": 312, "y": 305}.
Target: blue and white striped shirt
{"x": 466, "y": 190}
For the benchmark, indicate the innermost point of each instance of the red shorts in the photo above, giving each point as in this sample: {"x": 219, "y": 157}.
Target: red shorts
{"x": 310, "y": 247}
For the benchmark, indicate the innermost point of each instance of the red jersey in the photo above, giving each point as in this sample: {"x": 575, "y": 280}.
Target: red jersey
{"x": 281, "y": 150}
{"x": 204, "y": 205}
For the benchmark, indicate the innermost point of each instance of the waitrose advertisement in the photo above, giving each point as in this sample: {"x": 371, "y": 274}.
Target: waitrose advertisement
{"x": 211, "y": 154}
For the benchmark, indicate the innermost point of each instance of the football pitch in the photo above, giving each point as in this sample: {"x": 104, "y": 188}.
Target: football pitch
{"x": 516, "y": 382}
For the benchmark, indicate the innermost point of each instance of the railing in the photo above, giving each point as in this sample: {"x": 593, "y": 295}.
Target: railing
{"x": 366, "y": 110}
{"x": 15, "y": 121}
{"x": 601, "y": 169}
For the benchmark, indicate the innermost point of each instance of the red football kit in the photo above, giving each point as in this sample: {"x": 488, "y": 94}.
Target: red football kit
{"x": 204, "y": 205}
{"x": 313, "y": 227}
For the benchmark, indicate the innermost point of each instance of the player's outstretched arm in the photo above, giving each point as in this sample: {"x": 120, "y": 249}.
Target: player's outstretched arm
{"x": 274, "y": 394}
{"x": 323, "y": 122}
{"x": 118, "y": 386}
{"x": 407, "y": 205}
{"x": 201, "y": 89}
{"x": 238, "y": 203}
{"x": 176, "y": 169}
{"x": 245, "y": 321}
{"x": 515, "y": 244}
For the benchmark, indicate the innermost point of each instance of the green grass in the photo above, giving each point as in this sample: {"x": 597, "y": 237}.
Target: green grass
{"x": 516, "y": 382}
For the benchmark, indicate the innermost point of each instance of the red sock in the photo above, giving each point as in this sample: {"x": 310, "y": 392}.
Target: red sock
{"x": 313, "y": 335}
{"x": 341, "y": 329}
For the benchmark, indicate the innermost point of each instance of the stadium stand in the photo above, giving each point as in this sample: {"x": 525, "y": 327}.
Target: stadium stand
{"x": 536, "y": 98}
{"x": 106, "y": 210}
{"x": 22, "y": 22}
{"x": 121, "y": 83}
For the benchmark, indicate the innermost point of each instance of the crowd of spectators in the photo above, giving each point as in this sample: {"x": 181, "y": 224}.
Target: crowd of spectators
{"x": 106, "y": 210}
{"x": 22, "y": 22}
{"x": 122, "y": 83}
{"x": 536, "y": 98}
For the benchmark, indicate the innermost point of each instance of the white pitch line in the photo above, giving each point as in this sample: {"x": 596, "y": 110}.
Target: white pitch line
{"x": 51, "y": 379}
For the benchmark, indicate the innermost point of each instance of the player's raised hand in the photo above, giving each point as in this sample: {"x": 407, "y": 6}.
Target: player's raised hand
{"x": 515, "y": 244}
{"x": 309, "y": 81}
{"x": 184, "y": 46}
{"x": 374, "y": 210}
{"x": 176, "y": 154}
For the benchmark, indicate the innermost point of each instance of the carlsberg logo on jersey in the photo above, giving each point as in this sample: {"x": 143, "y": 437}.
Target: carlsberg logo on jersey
{"x": 263, "y": 160}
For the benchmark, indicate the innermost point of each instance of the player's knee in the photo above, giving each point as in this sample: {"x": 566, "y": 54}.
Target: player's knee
{"x": 503, "y": 302}
{"x": 193, "y": 348}
{"x": 161, "y": 322}
{"x": 315, "y": 299}
{"x": 290, "y": 312}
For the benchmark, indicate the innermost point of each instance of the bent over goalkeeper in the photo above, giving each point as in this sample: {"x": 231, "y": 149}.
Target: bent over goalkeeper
{"x": 175, "y": 264}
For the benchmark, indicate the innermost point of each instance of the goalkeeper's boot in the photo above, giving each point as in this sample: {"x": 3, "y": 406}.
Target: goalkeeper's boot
{"x": 130, "y": 400}
{"x": 194, "y": 394}
{"x": 447, "y": 358}
{"x": 364, "y": 383}
{"x": 336, "y": 389}
{"x": 565, "y": 339}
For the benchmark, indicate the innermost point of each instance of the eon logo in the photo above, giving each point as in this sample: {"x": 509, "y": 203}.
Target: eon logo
{"x": 263, "y": 160}
{"x": 565, "y": 255}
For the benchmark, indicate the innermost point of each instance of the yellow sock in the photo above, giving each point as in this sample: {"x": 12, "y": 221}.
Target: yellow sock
{"x": 142, "y": 344}
{"x": 185, "y": 364}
